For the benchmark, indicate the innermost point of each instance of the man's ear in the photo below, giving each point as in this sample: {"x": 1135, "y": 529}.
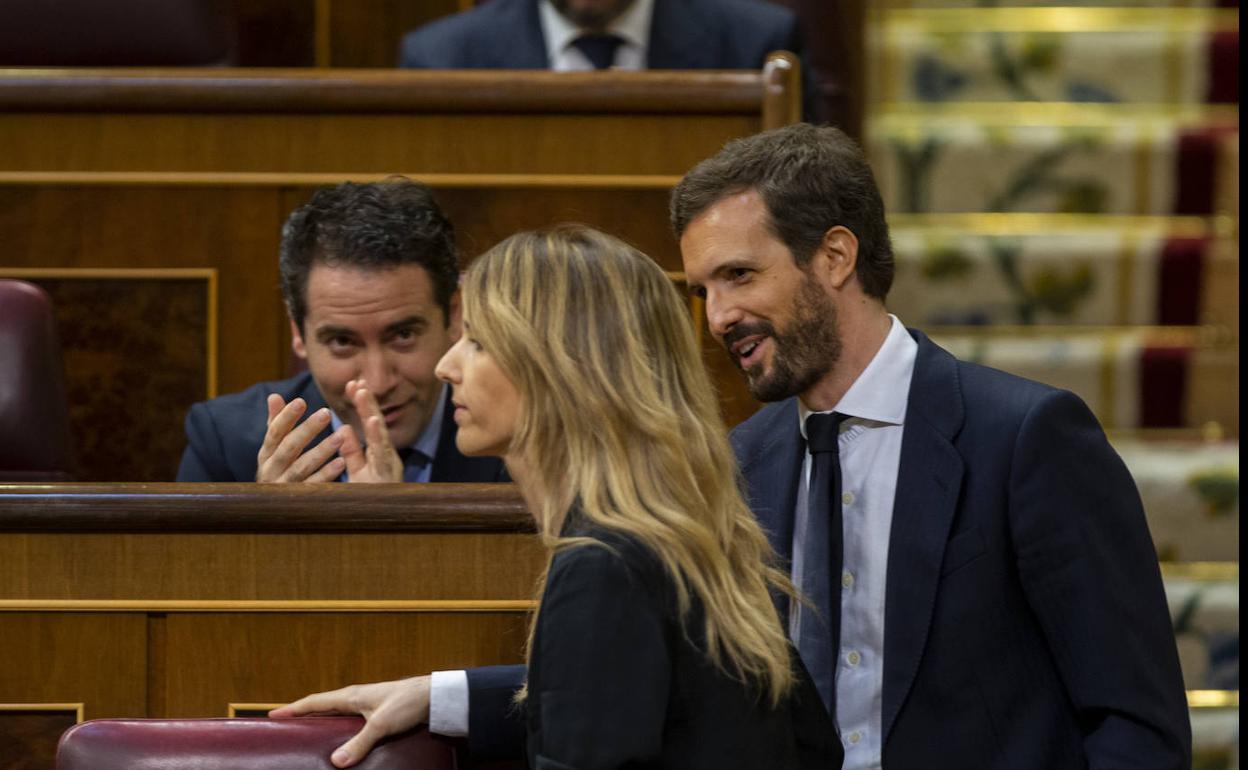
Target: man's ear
{"x": 296, "y": 341}
{"x": 455, "y": 318}
{"x": 837, "y": 256}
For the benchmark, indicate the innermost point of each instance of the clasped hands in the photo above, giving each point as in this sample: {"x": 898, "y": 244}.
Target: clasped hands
{"x": 282, "y": 456}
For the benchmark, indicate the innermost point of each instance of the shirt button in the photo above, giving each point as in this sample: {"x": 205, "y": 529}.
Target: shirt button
{"x": 854, "y": 658}
{"x": 847, "y": 498}
{"x": 854, "y": 737}
{"x": 847, "y": 580}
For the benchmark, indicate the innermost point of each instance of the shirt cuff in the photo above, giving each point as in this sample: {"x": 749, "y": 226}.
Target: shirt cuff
{"x": 448, "y": 703}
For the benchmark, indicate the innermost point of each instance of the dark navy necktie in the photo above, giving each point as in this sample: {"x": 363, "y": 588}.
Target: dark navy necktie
{"x": 599, "y": 49}
{"x": 819, "y": 638}
{"x": 414, "y": 461}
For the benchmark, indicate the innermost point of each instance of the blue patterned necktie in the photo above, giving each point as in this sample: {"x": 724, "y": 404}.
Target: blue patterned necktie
{"x": 599, "y": 49}
{"x": 819, "y": 638}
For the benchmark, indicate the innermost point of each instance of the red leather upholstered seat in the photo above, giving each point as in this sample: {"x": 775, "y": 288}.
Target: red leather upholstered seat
{"x": 239, "y": 744}
{"x": 34, "y": 419}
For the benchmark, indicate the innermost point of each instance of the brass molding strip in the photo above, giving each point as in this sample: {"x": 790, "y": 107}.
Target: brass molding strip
{"x": 1213, "y": 699}
{"x": 1204, "y": 571}
{"x": 1197, "y": 336}
{"x": 1057, "y": 19}
{"x": 1210, "y": 433}
{"x": 267, "y": 605}
{"x": 918, "y": 115}
{"x": 207, "y": 274}
{"x": 76, "y": 708}
{"x": 297, "y": 179}
{"x": 232, "y": 709}
{"x": 1047, "y": 224}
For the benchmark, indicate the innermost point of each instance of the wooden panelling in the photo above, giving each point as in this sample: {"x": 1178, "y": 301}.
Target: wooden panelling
{"x": 95, "y": 659}
{"x": 366, "y": 33}
{"x": 222, "y": 658}
{"x": 29, "y": 733}
{"x": 137, "y": 346}
{"x": 376, "y": 144}
{"x": 234, "y": 231}
{"x": 130, "y": 598}
{"x": 245, "y": 567}
{"x": 198, "y": 169}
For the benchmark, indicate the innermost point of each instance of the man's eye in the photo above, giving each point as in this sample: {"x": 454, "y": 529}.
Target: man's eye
{"x": 405, "y": 335}
{"x": 699, "y": 292}
{"x": 739, "y": 274}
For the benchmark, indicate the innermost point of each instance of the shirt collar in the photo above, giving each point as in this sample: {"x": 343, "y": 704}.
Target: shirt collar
{"x": 633, "y": 26}
{"x": 882, "y": 391}
{"x": 427, "y": 442}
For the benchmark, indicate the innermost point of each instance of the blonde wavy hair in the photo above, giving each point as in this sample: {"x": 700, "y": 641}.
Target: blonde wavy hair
{"x": 620, "y": 417}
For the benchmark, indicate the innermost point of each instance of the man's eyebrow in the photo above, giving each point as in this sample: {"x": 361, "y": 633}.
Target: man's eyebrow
{"x": 412, "y": 321}
{"x": 330, "y": 331}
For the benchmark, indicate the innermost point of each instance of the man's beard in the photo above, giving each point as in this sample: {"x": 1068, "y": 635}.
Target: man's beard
{"x": 803, "y": 353}
{"x": 595, "y": 19}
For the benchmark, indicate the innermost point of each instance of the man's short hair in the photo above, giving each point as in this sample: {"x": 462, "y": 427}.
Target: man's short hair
{"x": 811, "y": 178}
{"x": 374, "y": 226}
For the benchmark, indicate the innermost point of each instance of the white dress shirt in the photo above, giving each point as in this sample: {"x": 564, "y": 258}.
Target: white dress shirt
{"x": 870, "y": 450}
{"x": 632, "y": 26}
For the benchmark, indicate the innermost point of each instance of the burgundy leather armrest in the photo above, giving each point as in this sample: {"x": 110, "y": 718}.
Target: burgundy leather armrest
{"x": 239, "y": 744}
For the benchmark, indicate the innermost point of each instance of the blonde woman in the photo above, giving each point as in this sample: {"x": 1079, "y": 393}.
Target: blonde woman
{"x": 656, "y": 643}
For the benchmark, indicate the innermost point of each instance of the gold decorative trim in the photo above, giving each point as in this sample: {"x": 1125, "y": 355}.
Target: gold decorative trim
{"x": 232, "y": 709}
{"x": 75, "y": 708}
{"x": 1145, "y": 142}
{"x": 267, "y": 605}
{"x": 1196, "y": 336}
{"x": 1203, "y": 571}
{"x": 1047, "y": 224}
{"x": 207, "y": 274}
{"x": 317, "y": 179}
{"x": 1126, "y": 277}
{"x": 1059, "y": 19}
{"x": 1109, "y": 380}
{"x": 904, "y": 115}
{"x": 1213, "y": 699}
{"x": 1209, "y": 433}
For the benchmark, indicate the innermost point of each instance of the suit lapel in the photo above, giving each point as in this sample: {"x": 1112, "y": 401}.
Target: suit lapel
{"x": 680, "y": 36}
{"x": 928, "y": 484}
{"x": 771, "y": 473}
{"x": 518, "y": 30}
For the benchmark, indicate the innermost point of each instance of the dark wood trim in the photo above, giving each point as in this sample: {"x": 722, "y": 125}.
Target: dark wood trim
{"x": 374, "y": 91}
{"x": 245, "y": 508}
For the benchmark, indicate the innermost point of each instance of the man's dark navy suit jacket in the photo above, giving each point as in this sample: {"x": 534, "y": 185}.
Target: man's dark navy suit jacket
{"x": 223, "y": 436}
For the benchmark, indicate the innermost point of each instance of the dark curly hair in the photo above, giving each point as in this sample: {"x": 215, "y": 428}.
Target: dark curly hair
{"x": 377, "y": 225}
{"x": 811, "y": 179}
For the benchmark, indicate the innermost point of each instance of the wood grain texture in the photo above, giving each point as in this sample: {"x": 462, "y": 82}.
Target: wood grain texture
{"x": 94, "y": 659}
{"x": 215, "y": 660}
{"x": 28, "y": 737}
{"x": 268, "y": 508}
{"x": 277, "y": 90}
{"x": 112, "y": 331}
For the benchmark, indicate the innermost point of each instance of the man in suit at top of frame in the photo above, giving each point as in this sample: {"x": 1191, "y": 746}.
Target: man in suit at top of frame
{"x": 599, "y": 34}
{"x": 370, "y": 277}
{"x": 985, "y": 590}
